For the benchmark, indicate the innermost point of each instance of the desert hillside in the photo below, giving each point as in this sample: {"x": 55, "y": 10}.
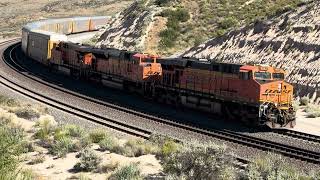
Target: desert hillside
{"x": 16, "y": 13}
{"x": 128, "y": 28}
{"x": 167, "y": 27}
{"x": 290, "y": 41}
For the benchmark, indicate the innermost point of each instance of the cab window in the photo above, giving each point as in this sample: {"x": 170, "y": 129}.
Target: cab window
{"x": 262, "y": 75}
{"x": 278, "y": 76}
{"x": 244, "y": 75}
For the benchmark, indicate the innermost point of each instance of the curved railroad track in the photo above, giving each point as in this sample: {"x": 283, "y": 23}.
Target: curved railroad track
{"x": 226, "y": 135}
{"x": 108, "y": 122}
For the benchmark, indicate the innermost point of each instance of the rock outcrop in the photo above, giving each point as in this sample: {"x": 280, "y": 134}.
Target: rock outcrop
{"x": 290, "y": 41}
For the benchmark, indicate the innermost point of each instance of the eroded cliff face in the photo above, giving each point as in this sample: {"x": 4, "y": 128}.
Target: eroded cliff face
{"x": 290, "y": 41}
{"x": 130, "y": 28}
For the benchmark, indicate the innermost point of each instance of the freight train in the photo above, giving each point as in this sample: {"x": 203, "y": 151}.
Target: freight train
{"x": 38, "y": 37}
{"x": 257, "y": 95}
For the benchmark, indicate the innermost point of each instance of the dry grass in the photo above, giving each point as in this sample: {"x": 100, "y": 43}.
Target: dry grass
{"x": 15, "y": 13}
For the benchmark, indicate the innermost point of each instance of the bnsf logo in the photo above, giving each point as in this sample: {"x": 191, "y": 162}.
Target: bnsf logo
{"x": 269, "y": 91}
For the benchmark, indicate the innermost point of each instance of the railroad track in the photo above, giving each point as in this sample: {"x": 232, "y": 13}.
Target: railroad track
{"x": 230, "y": 136}
{"x": 108, "y": 122}
{"x": 298, "y": 135}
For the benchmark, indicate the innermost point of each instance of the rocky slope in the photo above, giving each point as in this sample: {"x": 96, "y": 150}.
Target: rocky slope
{"x": 130, "y": 28}
{"x": 166, "y": 27}
{"x": 290, "y": 41}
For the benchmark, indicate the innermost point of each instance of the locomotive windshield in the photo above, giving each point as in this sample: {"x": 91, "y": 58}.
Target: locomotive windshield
{"x": 278, "y": 76}
{"x": 262, "y": 75}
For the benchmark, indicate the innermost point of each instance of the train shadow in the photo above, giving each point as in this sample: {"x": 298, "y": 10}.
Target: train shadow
{"x": 121, "y": 98}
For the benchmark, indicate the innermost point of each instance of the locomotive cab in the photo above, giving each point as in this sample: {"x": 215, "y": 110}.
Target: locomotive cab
{"x": 275, "y": 95}
{"x": 148, "y": 66}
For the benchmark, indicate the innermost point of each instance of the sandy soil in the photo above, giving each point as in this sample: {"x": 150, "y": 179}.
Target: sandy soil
{"x": 307, "y": 125}
{"x": 62, "y": 168}
{"x": 152, "y": 40}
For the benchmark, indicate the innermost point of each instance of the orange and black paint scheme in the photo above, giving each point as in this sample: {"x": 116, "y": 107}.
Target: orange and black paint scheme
{"x": 257, "y": 95}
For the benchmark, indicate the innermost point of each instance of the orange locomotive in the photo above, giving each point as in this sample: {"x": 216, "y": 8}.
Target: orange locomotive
{"x": 112, "y": 67}
{"x": 256, "y": 95}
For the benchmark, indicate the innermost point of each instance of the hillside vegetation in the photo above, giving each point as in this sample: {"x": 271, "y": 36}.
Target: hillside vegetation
{"x": 174, "y": 25}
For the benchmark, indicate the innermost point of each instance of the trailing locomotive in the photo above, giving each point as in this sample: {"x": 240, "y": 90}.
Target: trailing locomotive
{"x": 256, "y": 95}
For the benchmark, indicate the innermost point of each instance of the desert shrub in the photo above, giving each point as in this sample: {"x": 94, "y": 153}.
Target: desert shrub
{"x": 6, "y": 101}
{"x": 27, "y": 146}
{"x": 271, "y": 166}
{"x": 7, "y": 119}
{"x": 39, "y": 158}
{"x": 27, "y": 113}
{"x": 60, "y": 133}
{"x": 10, "y": 148}
{"x": 111, "y": 166}
{"x": 168, "y": 37}
{"x": 107, "y": 143}
{"x": 82, "y": 143}
{"x": 97, "y": 135}
{"x": 26, "y": 174}
{"x": 163, "y": 146}
{"x": 89, "y": 161}
{"x": 313, "y": 111}
{"x": 162, "y": 2}
{"x": 167, "y": 148}
{"x": 314, "y": 114}
{"x": 74, "y": 130}
{"x": 295, "y": 105}
{"x": 61, "y": 147}
{"x": 228, "y": 22}
{"x": 135, "y": 148}
{"x": 175, "y": 17}
{"x": 159, "y": 139}
{"x": 120, "y": 150}
{"x": 45, "y": 127}
{"x": 180, "y": 14}
{"x": 304, "y": 101}
{"x": 131, "y": 172}
{"x": 198, "y": 161}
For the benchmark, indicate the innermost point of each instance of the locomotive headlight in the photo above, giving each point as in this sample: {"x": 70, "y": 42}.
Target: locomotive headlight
{"x": 279, "y": 87}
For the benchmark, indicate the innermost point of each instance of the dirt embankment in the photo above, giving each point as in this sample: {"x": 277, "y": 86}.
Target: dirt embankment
{"x": 290, "y": 41}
